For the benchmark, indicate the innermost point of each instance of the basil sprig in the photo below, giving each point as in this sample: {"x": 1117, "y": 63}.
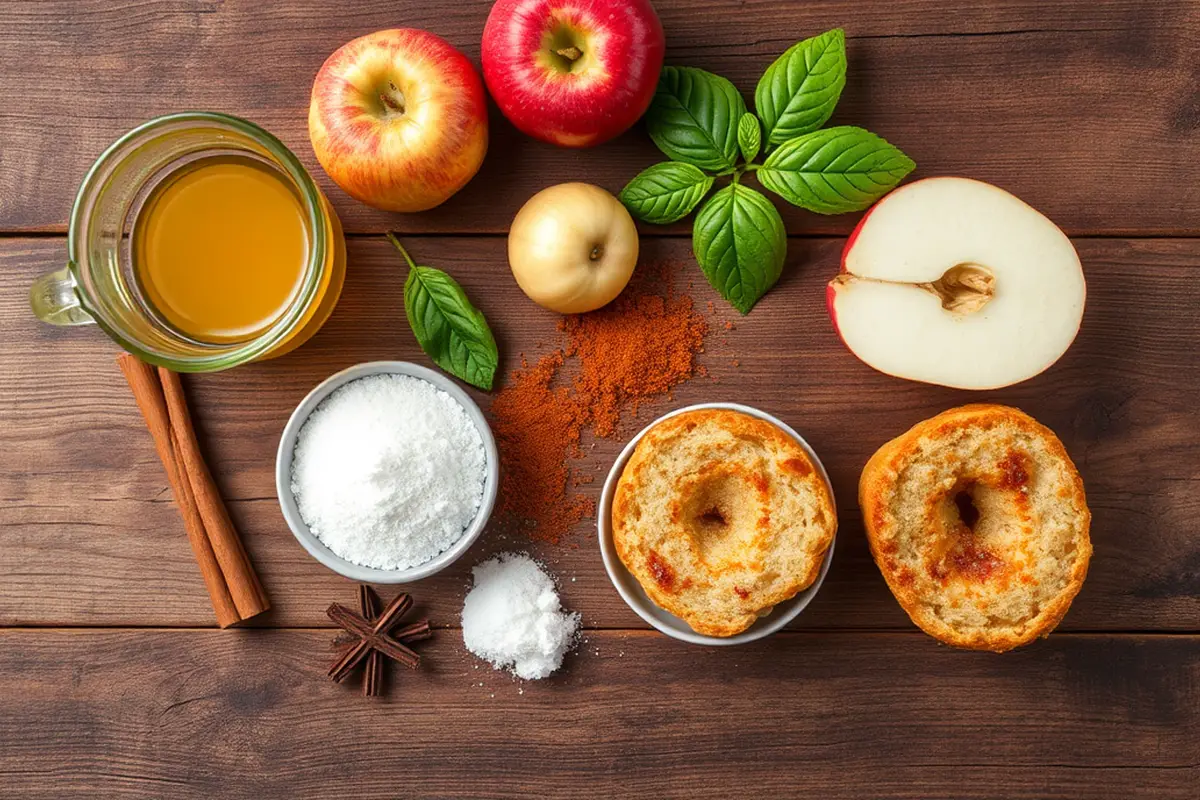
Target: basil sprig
{"x": 700, "y": 121}
{"x": 449, "y": 329}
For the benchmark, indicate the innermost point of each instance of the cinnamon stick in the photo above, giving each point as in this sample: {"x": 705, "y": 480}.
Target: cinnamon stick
{"x": 368, "y": 604}
{"x": 243, "y": 583}
{"x": 233, "y": 586}
{"x": 148, "y": 394}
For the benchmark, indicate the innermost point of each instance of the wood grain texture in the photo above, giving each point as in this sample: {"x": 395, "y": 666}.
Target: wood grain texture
{"x": 250, "y": 714}
{"x": 89, "y": 536}
{"x": 1087, "y": 109}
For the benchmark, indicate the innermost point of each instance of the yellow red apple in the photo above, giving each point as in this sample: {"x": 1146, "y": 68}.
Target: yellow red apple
{"x": 572, "y": 72}
{"x": 398, "y": 119}
{"x": 572, "y": 248}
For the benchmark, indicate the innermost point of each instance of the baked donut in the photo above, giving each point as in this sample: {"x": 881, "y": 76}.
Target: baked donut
{"x": 978, "y": 522}
{"x": 720, "y": 516}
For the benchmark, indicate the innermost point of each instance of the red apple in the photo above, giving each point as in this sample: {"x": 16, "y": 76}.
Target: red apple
{"x": 573, "y": 72}
{"x": 398, "y": 119}
{"x": 957, "y": 282}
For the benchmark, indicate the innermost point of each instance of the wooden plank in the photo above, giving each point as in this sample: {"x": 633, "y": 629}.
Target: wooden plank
{"x": 88, "y": 535}
{"x": 1088, "y": 109}
{"x": 151, "y": 713}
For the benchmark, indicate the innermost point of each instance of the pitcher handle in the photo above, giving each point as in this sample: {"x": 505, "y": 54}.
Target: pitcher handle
{"x": 54, "y": 300}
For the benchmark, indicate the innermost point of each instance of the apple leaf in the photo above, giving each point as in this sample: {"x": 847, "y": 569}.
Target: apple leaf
{"x": 665, "y": 192}
{"x": 749, "y": 137}
{"x": 694, "y": 118}
{"x": 449, "y": 329}
{"x": 740, "y": 243}
{"x": 797, "y": 94}
{"x": 835, "y": 170}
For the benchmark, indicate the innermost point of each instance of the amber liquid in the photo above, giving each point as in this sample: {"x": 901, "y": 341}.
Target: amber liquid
{"x": 220, "y": 248}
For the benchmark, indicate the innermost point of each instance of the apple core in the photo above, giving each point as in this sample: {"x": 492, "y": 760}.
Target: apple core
{"x": 963, "y": 289}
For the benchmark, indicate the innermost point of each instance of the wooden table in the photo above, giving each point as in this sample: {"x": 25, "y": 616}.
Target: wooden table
{"x": 113, "y": 678}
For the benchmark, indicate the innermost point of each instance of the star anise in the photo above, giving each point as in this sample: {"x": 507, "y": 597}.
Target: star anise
{"x": 374, "y": 638}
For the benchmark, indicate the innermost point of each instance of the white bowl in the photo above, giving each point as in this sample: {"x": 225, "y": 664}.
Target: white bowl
{"x": 631, "y": 591}
{"x": 317, "y": 548}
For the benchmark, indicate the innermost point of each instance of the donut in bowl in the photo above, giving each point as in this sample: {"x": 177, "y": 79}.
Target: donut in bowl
{"x": 720, "y": 516}
{"x": 978, "y": 521}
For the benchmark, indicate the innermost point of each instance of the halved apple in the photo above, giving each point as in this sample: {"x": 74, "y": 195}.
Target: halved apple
{"x": 957, "y": 282}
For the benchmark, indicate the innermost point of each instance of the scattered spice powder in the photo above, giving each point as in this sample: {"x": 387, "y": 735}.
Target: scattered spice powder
{"x": 635, "y": 349}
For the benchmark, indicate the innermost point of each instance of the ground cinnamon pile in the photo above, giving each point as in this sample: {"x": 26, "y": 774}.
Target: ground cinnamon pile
{"x": 636, "y": 348}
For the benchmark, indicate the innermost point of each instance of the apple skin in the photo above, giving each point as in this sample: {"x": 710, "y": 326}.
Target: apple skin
{"x": 578, "y": 103}
{"x": 830, "y": 293}
{"x": 398, "y": 119}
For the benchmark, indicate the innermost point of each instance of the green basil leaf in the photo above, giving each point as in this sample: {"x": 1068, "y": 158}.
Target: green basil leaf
{"x": 834, "y": 170}
{"x": 740, "y": 243}
{"x": 749, "y": 137}
{"x": 694, "y": 118}
{"x": 798, "y": 93}
{"x": 449, "y": 329}
{"x": 665, "y": 192}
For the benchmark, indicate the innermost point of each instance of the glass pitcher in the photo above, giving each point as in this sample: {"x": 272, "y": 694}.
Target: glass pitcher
{"x": 98, "y": 284}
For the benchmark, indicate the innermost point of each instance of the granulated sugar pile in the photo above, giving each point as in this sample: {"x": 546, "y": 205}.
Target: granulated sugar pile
{"x": 389, "y": 471}
{"x": 513, "y": 619}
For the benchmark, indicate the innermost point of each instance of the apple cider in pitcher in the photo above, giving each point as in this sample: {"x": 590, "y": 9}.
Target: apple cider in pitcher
{"x": 220, "y": 248}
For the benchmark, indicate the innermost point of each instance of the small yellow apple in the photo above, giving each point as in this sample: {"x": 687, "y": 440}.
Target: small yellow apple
{"x": 572, "y": 248}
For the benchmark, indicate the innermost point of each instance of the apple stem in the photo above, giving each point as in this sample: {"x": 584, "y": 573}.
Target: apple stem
{"x": 392, "y": 98}
{"x": 570, "y": 53}
{"x": 392, "y": 238}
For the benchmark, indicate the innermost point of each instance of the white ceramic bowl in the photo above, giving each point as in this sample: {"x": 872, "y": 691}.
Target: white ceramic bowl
{"x": 631, "y": 591}
{"x": 287, "y": 501}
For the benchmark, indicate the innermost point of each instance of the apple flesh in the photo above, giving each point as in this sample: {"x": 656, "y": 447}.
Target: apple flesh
{"x": 572, "y": 248}
{"x": 572, "y": 72}
{"x": 957, "y": 282}
{"x": 398, "y": 119}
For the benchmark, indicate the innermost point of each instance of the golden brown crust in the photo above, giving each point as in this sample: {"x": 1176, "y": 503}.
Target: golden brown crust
{"x": 1034, "y": 478}
{"x": 720, "y": 516}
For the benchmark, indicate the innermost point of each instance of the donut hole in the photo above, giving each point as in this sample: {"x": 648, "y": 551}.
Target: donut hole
{"x": 968, "y": 512}
{"x": 719, "y": 513}
{"x": 974, "y": 546}
{"x": 714, "y": 516}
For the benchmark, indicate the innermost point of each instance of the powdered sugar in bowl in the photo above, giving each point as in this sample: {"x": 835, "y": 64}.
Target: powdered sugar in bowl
{"x": 387, "y": 472}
